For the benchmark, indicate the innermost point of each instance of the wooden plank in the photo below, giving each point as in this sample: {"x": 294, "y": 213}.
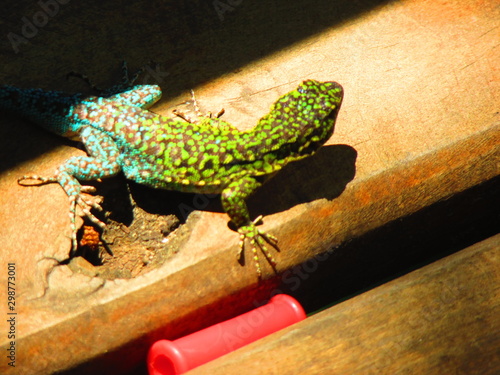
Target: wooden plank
{"x": 419, "y": 124}
{"x": 441, "y": 319}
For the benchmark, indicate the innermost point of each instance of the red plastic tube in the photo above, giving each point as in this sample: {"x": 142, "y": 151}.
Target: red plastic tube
{"x": 176, "y": 357}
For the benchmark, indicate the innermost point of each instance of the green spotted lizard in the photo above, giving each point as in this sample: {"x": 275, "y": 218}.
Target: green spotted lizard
{"x": 209, "y": 156}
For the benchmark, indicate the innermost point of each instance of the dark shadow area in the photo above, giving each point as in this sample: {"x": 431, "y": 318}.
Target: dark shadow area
{"x": 397, "y": 248}
{"x": 195, "y": 42}
{"x": 323, "y": 175}
{"x": 204, "y": 38}
{"x": 21, "y": 141}
{"x": 165, "y": 202}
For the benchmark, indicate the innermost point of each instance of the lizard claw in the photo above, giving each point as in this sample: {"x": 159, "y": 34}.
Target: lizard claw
{"x": 85, "y": 204}
{"x": 258, "y": 240}
{"x": 75, "y": 198}
{"x": 92, "y": 201}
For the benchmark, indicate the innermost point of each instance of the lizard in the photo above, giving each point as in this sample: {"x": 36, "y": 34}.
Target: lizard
{"x": 120, "y": 133}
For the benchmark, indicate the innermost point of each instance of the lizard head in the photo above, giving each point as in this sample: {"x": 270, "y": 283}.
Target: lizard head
{"x": 313, "y": 102}
{"x": 304, "y": 119}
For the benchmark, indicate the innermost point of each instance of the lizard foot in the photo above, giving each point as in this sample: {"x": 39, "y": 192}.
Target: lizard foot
{"x": 258, "y": 240}
{"x": 200, "y": 116}
{"x": 85, "y": 204}
{"x": 75, "y": 198}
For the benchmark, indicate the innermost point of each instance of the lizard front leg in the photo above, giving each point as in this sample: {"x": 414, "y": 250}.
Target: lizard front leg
{"x": 233, "y": 201}
{"x": 101, "y": 162}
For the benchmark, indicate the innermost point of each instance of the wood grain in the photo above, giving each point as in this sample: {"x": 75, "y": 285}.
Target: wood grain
{"x": 419, "y": 124}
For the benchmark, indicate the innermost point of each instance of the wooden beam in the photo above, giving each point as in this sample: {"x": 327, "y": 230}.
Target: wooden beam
{"x": 441, "y": 319}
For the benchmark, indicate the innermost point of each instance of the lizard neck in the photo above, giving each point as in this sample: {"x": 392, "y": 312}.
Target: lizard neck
{"x": 288, "y": 139}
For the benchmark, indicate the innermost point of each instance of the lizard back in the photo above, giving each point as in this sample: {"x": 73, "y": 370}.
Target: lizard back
{"x": 173, "y": 154}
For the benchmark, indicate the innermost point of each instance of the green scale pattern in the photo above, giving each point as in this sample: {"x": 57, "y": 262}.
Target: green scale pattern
{"x": 209, "y": 156}
{"x": 212, "y": 156}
